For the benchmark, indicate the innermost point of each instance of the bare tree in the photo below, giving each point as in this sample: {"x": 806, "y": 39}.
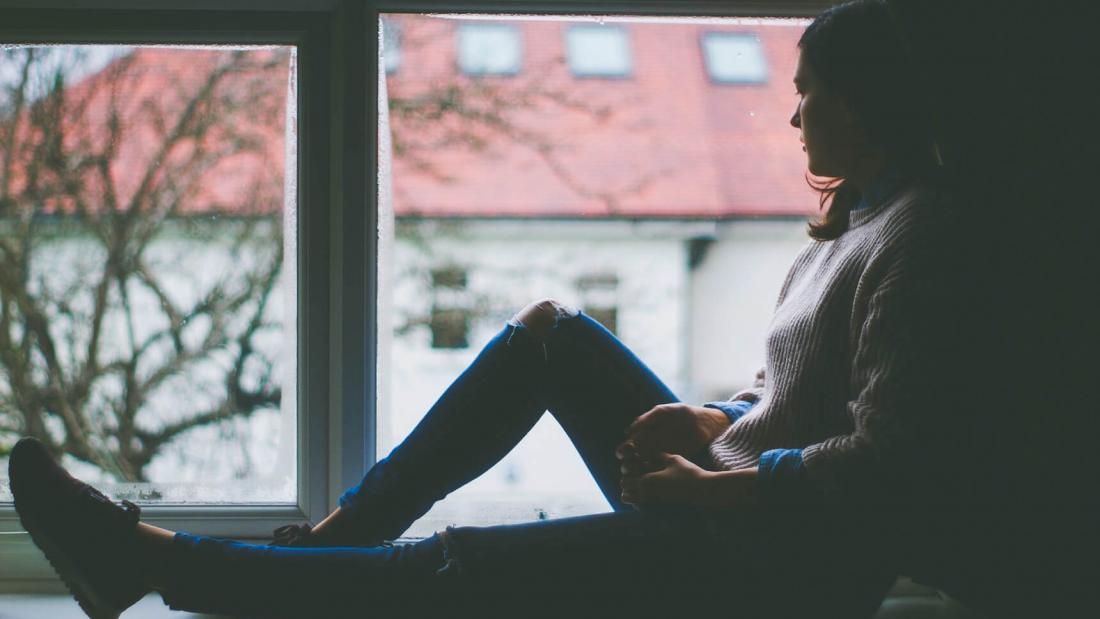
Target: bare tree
{"x": 112, "y": 188}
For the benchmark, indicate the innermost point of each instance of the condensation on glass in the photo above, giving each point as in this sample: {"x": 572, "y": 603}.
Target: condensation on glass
{"x": 147, "y": 251}
{"x": 643, "y": 169}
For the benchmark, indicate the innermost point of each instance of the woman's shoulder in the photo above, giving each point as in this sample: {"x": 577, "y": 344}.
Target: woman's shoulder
{"x": 919, "y": 208}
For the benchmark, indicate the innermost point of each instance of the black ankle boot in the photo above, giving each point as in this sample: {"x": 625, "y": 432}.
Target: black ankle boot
{"x": 88, "y": 539}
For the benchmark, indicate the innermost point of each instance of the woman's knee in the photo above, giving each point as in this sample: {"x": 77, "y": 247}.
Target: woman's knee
{"x": 542, "y": 315}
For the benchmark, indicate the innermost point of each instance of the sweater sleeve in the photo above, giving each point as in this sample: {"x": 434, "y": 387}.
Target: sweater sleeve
{"x": 892, "y": 370}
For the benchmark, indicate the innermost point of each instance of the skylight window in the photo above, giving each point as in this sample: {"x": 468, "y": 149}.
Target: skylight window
{"x": 734, "y": 58}
{"x": 598, "y": 51}
{"x": 489, "y": 49}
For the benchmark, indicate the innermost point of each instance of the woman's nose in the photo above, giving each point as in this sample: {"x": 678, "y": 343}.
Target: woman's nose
{"x": 796, "y": 121}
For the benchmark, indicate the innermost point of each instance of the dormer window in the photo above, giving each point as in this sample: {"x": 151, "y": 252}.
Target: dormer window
{"x": 391, "y": 45}
{"x": 598, "y": 51}
{"x": 734, "y": 58}
{"x": 489, "y": 49}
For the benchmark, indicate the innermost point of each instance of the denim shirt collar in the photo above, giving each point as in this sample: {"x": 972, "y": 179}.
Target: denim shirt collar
{"x": 886, "y": 183}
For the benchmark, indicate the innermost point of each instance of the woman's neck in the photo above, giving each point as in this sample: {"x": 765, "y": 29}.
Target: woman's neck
{"x": 865, "y": 171}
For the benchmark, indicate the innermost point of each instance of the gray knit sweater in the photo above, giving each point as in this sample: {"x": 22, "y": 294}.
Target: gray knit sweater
{"x": 835, "y": 381}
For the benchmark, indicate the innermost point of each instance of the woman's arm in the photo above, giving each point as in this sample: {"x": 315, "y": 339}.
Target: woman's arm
{"x": 901, "y": 344}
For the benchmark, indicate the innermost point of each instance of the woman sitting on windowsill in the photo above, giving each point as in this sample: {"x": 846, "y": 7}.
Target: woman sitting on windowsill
{"x": 770, "y": 504}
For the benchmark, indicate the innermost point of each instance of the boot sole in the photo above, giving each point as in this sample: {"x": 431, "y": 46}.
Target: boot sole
{"x": 74, "y": 577}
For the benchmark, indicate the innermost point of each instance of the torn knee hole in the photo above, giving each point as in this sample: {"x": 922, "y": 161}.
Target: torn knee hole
{"x": 541, "y": 316}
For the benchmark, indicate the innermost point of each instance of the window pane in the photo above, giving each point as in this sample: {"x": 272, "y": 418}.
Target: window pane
{"x": 734, "y": 58}
{"x": 666, "y": 206}
{"x": 489, "y": 49}
{"x": 598, "y": 51}
{"x": 147, "y": 245}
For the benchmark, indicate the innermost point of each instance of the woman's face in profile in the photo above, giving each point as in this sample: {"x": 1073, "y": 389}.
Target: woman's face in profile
{"x": 827, "y": 126}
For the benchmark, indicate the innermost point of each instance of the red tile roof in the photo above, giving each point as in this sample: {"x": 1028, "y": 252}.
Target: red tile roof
{"x": 672, "y": 143}
{"x": 235, "y": 166}
{"x": 665, "y": 142}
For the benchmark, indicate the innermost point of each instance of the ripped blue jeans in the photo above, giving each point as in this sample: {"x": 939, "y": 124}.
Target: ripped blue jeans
{"x": 658, "y": 561}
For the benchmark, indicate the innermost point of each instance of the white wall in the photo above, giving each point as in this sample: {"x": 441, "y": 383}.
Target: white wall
{"x": 733, "y": 294}
{"x": 511, "y": 264}
{"x": 701, "y": 331}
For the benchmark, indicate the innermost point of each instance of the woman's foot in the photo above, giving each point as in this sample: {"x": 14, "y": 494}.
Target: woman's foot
{"x": 88, "y": 539}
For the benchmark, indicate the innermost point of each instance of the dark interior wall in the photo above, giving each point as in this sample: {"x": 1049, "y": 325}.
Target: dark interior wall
{"x": 1014, "y": 85}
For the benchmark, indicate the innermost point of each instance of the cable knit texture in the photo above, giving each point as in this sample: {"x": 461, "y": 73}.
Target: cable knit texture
{"x": 840, "y": 348}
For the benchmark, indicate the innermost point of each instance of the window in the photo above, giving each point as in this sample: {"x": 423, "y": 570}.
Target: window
{"x": 599, "y": 298}
{"x": 450, "y": 318}
{"x": 734, "y": 58}
{"x": 391, "y": 44}
{"x": 489, "y": 49}
{"x": 335, "y": 242}
{"x": 229, "y": 329}
{"x": 549, "y": 185}
{"x": 598, "y": 51}
{"x": 159, "y": 375}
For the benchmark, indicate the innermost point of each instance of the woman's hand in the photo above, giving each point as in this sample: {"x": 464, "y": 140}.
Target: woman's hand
{"x": 672, "y": 429}
{"x": 680, "y": 481}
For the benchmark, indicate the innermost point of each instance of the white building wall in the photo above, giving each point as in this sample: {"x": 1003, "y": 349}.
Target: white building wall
{"x": 701, "y": 330}
{"x": 733, "y": 294}
{"x": 509, "y": 264}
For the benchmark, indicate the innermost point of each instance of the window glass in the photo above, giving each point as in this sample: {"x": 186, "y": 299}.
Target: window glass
{"x": 489, "y": 49}
{"x": 665, "y": 206}
{"x": 601, "y": 51}
{"x": 734, "y": 58}
{"x": 147, "y": 241}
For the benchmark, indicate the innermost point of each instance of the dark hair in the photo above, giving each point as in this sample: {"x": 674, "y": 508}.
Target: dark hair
{"x": 857, "y": 51}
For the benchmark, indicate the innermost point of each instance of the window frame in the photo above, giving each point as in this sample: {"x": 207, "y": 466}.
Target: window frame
{"x": 337, "y": 207}
{"x": 335, "y": 253}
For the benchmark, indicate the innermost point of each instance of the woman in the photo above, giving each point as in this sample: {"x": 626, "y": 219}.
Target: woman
{"x": 751, "y": 506}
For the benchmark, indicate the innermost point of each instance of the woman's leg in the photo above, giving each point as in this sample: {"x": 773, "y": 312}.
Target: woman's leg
{"x": 548, "y": 357}
{"x": 596, "y": 387}
{"x": 666, "y": 562}
{"x": 616, "y": 564}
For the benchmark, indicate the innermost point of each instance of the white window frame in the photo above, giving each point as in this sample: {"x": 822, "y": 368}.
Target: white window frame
{"x": 335, "y": 251}
{"x": 337, "y": 208}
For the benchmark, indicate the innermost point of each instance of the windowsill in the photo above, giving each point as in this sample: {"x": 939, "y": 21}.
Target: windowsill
{"x": 904, "y": 600}
{"x": 61, "y": 606}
